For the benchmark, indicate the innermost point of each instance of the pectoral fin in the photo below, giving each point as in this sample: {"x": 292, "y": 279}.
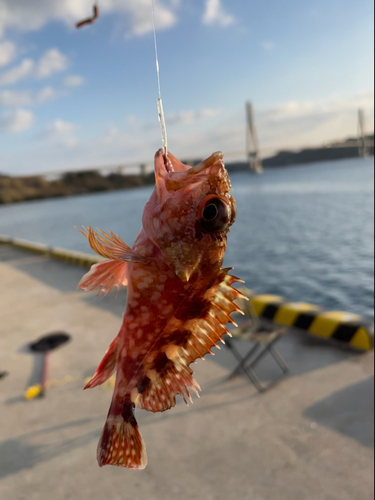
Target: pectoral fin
{"x": 106, "y": 367}
{"x": 105, "y": 276}
{"x": 110, "y": 246}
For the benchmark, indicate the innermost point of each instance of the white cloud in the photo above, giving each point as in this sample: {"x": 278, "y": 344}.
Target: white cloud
{"x": 292, "y": 110}
{"x": 7, "y": 53}
{"x": 59, "y": 128}
{"x": 112, "y": 135}
{"x": 46, "y": 94}
{"x": 27, "y": 15}
{"x": 181, "y": 118}
{"x": 215, "y": 14}
{"x": 61, "y": 132}
{"x": 15, "y": 99}
{"x": 285, "y": 125}
{"x": 9, "y": 98}
{"x": 138, "y": 13}
{"x": 16, "y": 121}
{"x": 291, "y": 124}
{"x": 188, "y": 117}
{"x": 297, "y": 124}
{"x": 268, "y": 45}
{"x": 23, "y": 70}
{"x": 73, "y": 81}
{"x": 53, "y": 61}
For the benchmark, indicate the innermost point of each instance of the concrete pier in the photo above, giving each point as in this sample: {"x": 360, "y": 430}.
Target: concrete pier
{"x": 311, "y": 437}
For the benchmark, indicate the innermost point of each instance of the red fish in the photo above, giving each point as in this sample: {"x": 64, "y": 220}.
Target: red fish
{"x": 179, "y": 298}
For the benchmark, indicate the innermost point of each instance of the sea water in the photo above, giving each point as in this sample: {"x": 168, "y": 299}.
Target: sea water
{"x": 306, "y": 232}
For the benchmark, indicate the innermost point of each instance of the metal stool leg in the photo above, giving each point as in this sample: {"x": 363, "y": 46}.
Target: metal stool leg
{"x": 242, "y": 361}
{"x": 242, "y": 366}
{"x": 255, "y": 379}
{"x": 279, "y": 359}
{"x": 248, "y": 367}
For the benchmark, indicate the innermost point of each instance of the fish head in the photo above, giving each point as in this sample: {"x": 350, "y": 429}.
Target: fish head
{"x": 190, "y": 212}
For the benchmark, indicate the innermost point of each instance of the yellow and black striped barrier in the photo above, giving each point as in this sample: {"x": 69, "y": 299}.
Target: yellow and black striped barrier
{"x": 346, "y": 328}
{"x": 70, "y": 256}
{"x": 76, "y": 258}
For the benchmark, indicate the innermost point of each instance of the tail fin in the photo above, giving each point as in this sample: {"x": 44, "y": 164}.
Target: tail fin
{"x": 121, "y": 443}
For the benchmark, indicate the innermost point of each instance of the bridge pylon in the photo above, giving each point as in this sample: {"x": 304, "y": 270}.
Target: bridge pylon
{"x": 252, "y": 144}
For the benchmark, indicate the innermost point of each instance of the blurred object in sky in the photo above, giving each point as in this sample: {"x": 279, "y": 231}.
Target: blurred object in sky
{"x": 90, "y": 20}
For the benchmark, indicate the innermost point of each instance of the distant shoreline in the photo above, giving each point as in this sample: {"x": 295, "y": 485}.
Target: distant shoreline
{"x": 338, "y": 151}
{"x": 36, "y": 187}
{"x": 19, "y": 189}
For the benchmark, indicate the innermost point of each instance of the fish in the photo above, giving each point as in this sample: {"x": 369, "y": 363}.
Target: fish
{"x": 179, "y": 298}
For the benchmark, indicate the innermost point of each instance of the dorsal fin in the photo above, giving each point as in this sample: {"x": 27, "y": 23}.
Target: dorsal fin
{"x": 169, "y": 373}
{"x": 205, "y": 332}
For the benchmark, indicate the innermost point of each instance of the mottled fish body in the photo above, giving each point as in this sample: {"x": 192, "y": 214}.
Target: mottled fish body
{"x": 179, "y": 298}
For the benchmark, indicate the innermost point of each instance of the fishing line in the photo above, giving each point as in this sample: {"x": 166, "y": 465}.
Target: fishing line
{"x": 163, "y": 127}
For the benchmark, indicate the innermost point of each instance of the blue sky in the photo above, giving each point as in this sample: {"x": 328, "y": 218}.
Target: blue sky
{"x": 79, "y": 98}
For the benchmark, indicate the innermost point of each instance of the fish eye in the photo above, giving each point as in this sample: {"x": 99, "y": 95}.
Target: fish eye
{"x": 214, "y": 214}
{"x": 210, "y": 212}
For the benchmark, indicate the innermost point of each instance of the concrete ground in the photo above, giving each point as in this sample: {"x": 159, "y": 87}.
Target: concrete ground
{"x": 311, "y": 437}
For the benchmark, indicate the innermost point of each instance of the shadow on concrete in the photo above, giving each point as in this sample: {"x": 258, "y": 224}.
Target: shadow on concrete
{"x": 24, "y": 452}
{"x": 54, "y": 274}
{"x": 349, "y": 411}
{"x": 146, "y": 418}
{"x": 302, "y": 353}
{"x": 8, "y": 254}
{"x": 61, "y": 276}
{"x": 21, "y": 453}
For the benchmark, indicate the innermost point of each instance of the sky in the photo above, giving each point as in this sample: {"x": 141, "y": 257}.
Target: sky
{"x": 73, "y": 99}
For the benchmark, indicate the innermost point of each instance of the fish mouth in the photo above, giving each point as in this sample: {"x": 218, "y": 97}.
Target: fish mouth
{"x": 204, "y": 165}
{"x": 171, "y": 175}
{"x": 166, "y": 163}
{"x": 162, "y": 160}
